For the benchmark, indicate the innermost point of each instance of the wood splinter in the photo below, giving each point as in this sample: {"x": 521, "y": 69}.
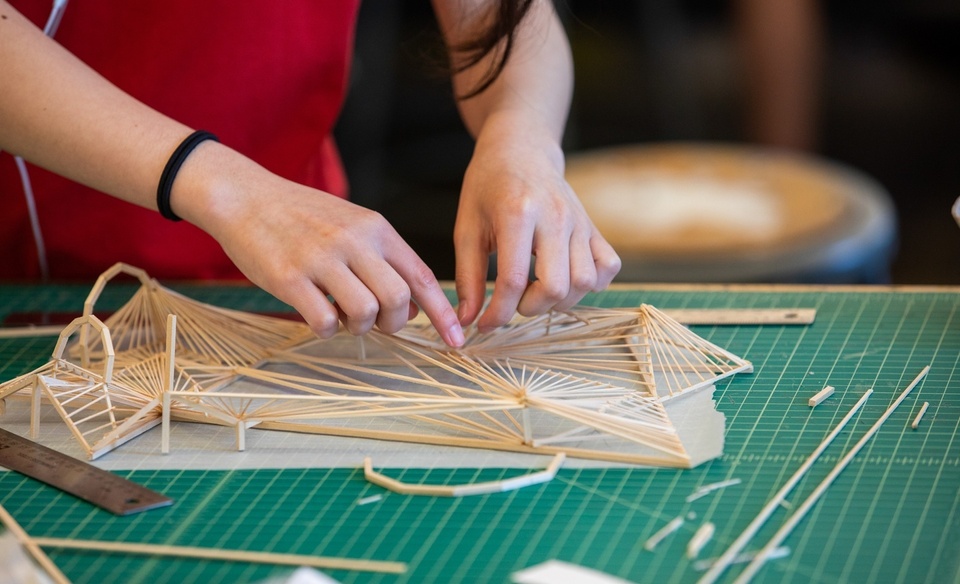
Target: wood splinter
{"x": 707, "y": 489}
{"x": 500, "y": 486}
{"x": 822, "y": 395}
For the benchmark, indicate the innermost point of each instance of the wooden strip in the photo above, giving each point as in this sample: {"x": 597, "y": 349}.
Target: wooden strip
{"x": 323, "y": 562}
{"x": 741, "y": 316}
{"x": 30, "y": 331}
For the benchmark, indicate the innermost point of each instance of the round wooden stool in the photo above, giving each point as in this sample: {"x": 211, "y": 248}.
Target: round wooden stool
{"x": 725, "y": 213}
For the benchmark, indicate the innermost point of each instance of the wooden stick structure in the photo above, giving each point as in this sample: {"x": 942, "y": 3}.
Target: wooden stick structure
{"x": 486, "y": 488}
{"x": 724, "y": 561}
{"x": 801, "y": 511}
{"x": 589, "y": 382}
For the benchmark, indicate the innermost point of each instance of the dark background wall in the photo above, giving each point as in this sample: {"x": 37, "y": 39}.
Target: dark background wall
{"x": 652, "y": 71}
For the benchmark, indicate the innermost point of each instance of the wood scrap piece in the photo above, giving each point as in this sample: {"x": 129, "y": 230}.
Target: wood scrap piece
{"x": 821, "y": 395}
{"x": 662, "y": 533}
{"x": 700, "y": 539}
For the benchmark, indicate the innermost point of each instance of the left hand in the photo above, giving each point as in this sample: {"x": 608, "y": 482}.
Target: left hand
{"x": 516, "y": 202}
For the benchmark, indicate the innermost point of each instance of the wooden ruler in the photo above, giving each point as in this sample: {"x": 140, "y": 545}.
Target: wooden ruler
{"x": 746, "y": 316}
{"x": 94, "y": 485}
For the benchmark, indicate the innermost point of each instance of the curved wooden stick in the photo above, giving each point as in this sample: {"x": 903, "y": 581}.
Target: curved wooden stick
{"x": 463, "y": 490}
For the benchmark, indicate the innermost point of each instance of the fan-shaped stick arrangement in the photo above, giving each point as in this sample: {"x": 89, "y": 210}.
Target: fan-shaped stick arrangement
{"x": 605, "y": 384}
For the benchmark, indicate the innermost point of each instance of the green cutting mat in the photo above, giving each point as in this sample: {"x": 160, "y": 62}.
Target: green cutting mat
{"x": 892, "y": 516}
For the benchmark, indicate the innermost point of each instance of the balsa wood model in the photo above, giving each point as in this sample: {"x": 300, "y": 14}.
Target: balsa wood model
{"x": 594, "y": 383}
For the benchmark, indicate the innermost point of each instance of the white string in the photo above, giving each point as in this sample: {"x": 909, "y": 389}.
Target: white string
{"x": 50, "y": 29}
{"x": 34, "y": 219}
{"x": 53, "y": 21}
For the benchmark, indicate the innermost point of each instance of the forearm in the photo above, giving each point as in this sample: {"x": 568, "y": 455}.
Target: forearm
{"x": 60, "y": 114}
{"x": 532, "y": 94}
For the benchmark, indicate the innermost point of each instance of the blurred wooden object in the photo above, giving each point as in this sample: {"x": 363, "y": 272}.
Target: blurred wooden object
{"x": 697, "y": 212}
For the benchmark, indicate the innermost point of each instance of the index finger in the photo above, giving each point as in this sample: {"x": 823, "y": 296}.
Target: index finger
{"x": 514, "y": 248}
{"x": 426, "y": 292}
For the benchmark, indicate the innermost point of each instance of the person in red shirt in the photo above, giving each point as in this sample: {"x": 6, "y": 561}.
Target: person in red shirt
{"x": 130, "y": 81}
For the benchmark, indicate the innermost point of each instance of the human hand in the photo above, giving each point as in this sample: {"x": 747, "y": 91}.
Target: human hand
{"x": 515, "y": 202}
{"x": 301, "y": 244}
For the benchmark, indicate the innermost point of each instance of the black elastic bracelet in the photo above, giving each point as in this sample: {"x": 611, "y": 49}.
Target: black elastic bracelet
{"x": 173, "y": 166}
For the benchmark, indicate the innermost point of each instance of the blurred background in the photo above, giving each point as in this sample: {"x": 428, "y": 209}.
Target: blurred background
{"x": 884, "y": 100}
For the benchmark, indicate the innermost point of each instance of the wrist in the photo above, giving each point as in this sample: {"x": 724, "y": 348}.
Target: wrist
{"x": 212, "y": 186}
{"x": 513, "y": 133}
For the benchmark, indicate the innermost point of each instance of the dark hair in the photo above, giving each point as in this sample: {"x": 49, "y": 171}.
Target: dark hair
{"x": 496, "y": 38}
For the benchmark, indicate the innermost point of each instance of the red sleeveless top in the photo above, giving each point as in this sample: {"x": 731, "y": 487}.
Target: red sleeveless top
{"x": 268, "y": 78}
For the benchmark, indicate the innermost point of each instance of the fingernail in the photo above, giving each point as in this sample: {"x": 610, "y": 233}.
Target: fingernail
{"x": 455, "y": 335}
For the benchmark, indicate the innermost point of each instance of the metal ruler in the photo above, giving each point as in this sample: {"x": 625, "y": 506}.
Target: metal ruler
{"x": 734, "y": 316}
{"x": 94, "y": 485}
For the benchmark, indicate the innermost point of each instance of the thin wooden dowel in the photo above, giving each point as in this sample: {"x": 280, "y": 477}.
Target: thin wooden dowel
{"x": 801, "y": 511}
{"x": 724, "y": 561}
{"x": 203, "y": 553}
{"x": 30, "y": 331}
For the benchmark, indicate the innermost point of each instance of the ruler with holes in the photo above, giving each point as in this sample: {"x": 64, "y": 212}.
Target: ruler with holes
{"x": 94, "y": 485}
{"x": 745, "y": 316}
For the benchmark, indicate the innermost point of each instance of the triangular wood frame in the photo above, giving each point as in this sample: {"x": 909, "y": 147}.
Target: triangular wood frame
{"x": 589, "y": 382}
